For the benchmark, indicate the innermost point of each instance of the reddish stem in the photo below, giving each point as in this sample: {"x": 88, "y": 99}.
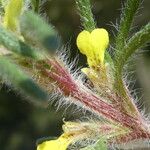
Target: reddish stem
{"x": 95, "y": 103}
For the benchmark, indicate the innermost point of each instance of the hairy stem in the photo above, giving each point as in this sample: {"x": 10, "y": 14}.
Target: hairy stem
{"x": 92, "y": 102}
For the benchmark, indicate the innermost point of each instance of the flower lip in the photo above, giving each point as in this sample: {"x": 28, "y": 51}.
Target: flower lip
{"x": 93, "y": 45}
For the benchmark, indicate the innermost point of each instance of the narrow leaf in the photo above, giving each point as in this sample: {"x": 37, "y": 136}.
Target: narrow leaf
{"x": 127, "y": 17}
{"x": 136, "y": 42}
{"x": 86, "y": 15}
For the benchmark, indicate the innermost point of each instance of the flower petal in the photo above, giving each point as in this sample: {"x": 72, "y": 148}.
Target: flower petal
{"x": 100, "y": 40}
{"x": 93, "y": 45}
{"x": 59, "y": 144}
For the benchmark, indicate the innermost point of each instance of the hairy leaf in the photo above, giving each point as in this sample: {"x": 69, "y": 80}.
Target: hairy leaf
{"x": 127, "y": 17}
{"x": 137, "y": 41}
{"x": 35, "y": 29}
{"x": 12, "y": 43}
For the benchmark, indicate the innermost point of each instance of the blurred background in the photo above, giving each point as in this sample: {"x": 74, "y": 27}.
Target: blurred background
{"x": 21, "y": 122}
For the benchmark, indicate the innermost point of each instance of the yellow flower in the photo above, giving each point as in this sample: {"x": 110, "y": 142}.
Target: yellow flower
{"x": 59, "y": 144}
{"x": 12, "y": 11}
{"x": 73, "y": 132}
{"x": 93, "y": 45}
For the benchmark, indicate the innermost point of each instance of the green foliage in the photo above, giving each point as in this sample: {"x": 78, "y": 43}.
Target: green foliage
{"x": 86, "y": 15}
{"x": 124, "y": 47}
{"x": 137, "y": 41}
{"x": 12, "y": 74}
{"x": 127, "y": 17}
{"x": 39, "y": 32}
{"x": 12, "y": 43}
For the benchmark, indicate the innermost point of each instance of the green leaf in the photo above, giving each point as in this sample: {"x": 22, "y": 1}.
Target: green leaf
{"x": 10, "y": 73}
{"x": 12, "y": 43}
{"x": 127, "y": 17}
{"x": 137, "y": 41}
{"x": 86, "y": 15}
{"x": 36, "y": 30}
